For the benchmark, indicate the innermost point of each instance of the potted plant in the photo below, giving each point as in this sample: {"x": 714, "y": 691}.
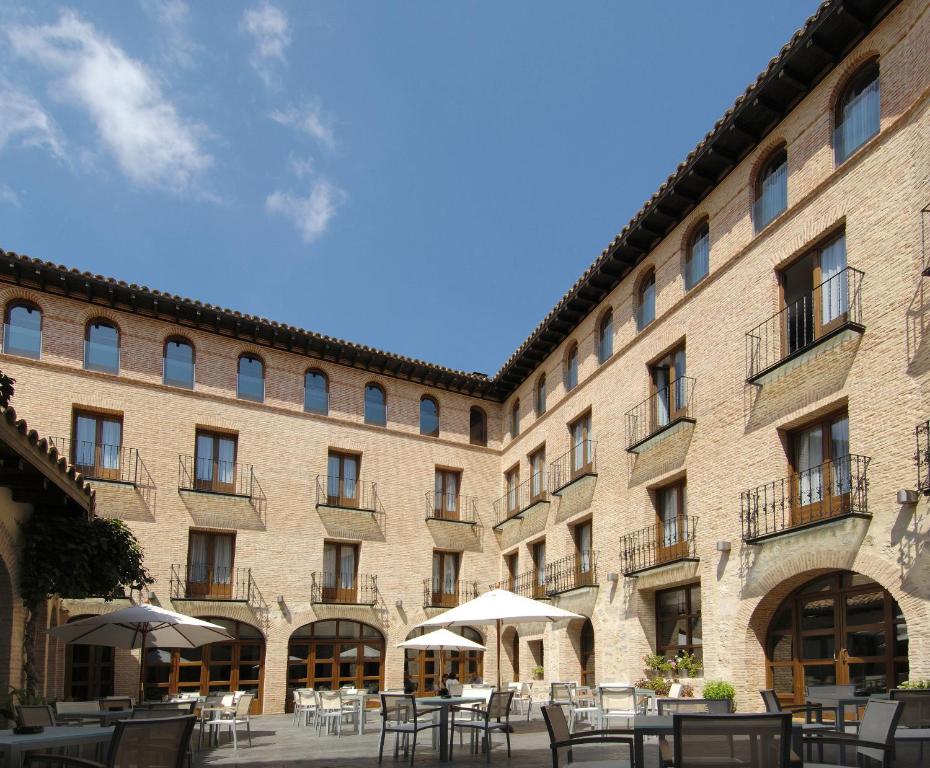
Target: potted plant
{"x": 914, "y": 684}
{"x": 538, "y": 673}
{"x": 721, "y": 689}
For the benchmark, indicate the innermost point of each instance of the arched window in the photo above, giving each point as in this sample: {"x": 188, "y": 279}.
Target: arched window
{"x": 429, "y": 416}
{"x": 22, "y": 329}
{"x": 375, "y": 405}
{"x": 250, "y": 382}
{"x": 697, "y": 260}
{"x": 515, "y": 419}
{"x": 316, "y": 392}
{"x": 571, "y": 368}
{"x": 541, "y": 395}
{"x": 101, "y": 346}
{"x": 858, "y": 112}
{"x": 477, "y": 426}
{"x": 771, "y": 190}
{"x": 605, "y": 337}
{"x": 178, "y": 363}
{"x": 646, "y": 301}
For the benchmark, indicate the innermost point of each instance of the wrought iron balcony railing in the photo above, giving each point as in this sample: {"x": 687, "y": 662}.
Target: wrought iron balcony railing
{"x": 113, "y": 463}
{"x": 576, "y": 463}
{"x": 657, "y": 545}
{"x": 439, "y": 593}
{"x": 529, "y": 584}
{"x": 343, "y": 588}
{"x": 520, "y": 498}
{"x": 195, "y": 581}
{"x": 203, "y": 475}
{"x": 835, "y": 489}
{"x": 572, "y": 572}
{"x": 346, "y": 493}
{"x": 923, "y": 458}
{"x": 832, "y": 306}
{"x": 452, "y": 507}
{"x": 664, "y": 409}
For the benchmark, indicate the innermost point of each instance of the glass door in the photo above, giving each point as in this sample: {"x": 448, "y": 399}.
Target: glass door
{"x": 210, "y": 564}
{"x": 445, "y": 579}
{"x": 446, "y": 501}
{"x": 584, "y": 557}
{"x": 671, "y": 532}
{"x": 582, "y": 453}
{"x": 97, "y": 445}
{"x": 340, "y": 578}
{"x": 215, "y": 463}
{"x": 342, "y": 481}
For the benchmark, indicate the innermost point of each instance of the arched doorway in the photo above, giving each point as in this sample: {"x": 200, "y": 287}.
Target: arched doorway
{"x": 515, "y": 656}
{"x": 841, "y": 628}
{"x": 586, "y": 653}
{"x": 335, "y": 653}
{"x": 235, "y": 665}
{"x": 88, "y": 670}
{"x": 421, "y": 668}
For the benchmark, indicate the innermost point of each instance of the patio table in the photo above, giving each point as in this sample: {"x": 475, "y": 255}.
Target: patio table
{"x": 103, "y": 716}
{"x": 444, "y": 704}
{"x": 12, "y": 746}
{"x": 839, "y": 704}
{"x": 362, "y": 698}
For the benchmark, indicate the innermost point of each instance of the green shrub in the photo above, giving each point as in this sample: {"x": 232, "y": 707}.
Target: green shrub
{"x": 915, "y": 684}
{"x": 720, "y": 689}
{"x": 656, "y": 662}
{"x": 658, "y": 684}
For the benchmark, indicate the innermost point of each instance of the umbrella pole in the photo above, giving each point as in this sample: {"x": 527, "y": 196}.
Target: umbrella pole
{"x": 142, "y": 669}
{"x": 498, "y": 655}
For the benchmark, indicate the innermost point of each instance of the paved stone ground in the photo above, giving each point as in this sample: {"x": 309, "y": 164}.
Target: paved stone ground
{"x": 278, "y": 743}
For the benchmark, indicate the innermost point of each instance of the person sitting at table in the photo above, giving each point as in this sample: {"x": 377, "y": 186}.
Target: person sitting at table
{"x": 409, "y": 685}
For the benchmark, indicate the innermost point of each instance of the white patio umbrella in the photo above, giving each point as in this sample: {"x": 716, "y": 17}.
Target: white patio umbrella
{"x": 499, "y": 607}
{"x": 441, "y": 640}
{"x": 141, "y": 626}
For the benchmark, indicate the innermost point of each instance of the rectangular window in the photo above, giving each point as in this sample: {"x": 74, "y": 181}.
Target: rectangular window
{"x": 582, "y": 446}
{"x": 97, "y": 443}
{"x": 584, "y": 555}
{"x": 210, "y": 564}
{"x": 539, "y": 569}
{"x": 340, "y": 572}
{"x": 446, "y": 496}
{"x": 815, "y": 291}
{"x": 215, "y": 461}
{"x": 678, "y": 621}
{"x": 445, "y": 581}
{"x": 671, "y": 524}
{"x": 512, "y": 565}
{"x": 821, "y": 469}
{"x": 342, "y": 479}
{"x": 537, "y": 475}
{"x": 512, "y": 481}
{"x": 669, "y": 388}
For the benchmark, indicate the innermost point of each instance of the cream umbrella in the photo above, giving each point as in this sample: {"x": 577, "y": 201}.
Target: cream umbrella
{"x": 441, "y": 640}
{"x": 499, "y": 607}
{"x": 141, "y": 626}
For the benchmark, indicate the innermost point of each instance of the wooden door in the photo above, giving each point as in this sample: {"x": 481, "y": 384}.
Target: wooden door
{"x": 539, "y": 569}
{"x": 537, "y": 475}
{"x": 446, "y": 501}
{"x": 445, "y": 581}
{"x": 671, "y": 525}
{"x": 96, "y": 449}
{"x": 669, "y": 390}
{"x": 215, "y": 462}
{"x": 210, "y": 558}
{"x": 582, "y": 453}
{"x": 340, "y": 572}
{"x": 584, "y": 555}
{"x": 342, "y": 487}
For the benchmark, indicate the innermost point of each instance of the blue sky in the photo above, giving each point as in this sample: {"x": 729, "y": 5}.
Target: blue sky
{"x": 424, "y": 177}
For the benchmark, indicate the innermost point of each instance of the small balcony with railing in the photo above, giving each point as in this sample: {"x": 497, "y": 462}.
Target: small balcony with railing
{"x": 195, "y": 581}
{"x": 442, "y": 593}
{"x": 806, "y": 328}
{"x": 832, "y": 491}
{"x": 530, "y": 583}
{"x": 576, "y": 571}
{"x": 209, "y": 486}
{"x": 452, "y": 508}
{"x": 110, "y": 466}
{"x": 659, "y": 545}
{"x": 573, "y": 465}
{"x": 343, "y": 588}
{"x": 661, "y": 415}
{"x": 923, "y": 458}
{"x": 521, "y": 499}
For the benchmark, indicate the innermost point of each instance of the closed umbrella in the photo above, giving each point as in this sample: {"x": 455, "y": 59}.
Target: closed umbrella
{"x": 441, "y": 640}
{"x": 499, "y": 607}
{"x": 141, "y": 626}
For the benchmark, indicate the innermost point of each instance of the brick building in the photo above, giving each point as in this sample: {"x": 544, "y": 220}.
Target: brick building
{"x": 700, "y": 448}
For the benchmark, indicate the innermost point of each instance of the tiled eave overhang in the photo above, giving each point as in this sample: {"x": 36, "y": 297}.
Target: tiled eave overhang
{"x": 811, "y": 55}
{"x": 107, "y": 292}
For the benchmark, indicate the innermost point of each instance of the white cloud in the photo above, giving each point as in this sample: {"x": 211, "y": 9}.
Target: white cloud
{"x": 268, "y": 27}
{"x": 8, "y": 195}
{"x": 173, "y": 20}
{"x": 307, "y": 119}
{"x": 311, "y": 214}
{"x": 301, "y": 167}
{"x": 25, "y": 123}
{"x": 153, "y": 145}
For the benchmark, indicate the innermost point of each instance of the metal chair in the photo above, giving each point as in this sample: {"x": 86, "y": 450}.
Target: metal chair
{"x": 305, "y": 706}
{"x": 239, "y": 716}
{"x": 161, "y": 743}
{"x": 331, "y": 711}
{"x": 558, "y": 694}
{"x": 617, "y": 701}
{"x": 210, "y": 709}
{"x": 760, "y": 741}
{"x": 31, "y": 715}
{"x": 874, "y": 740}
{"x": 582, "y": 706}
{"x": 487, "y": 720}
{"x": 562, "y": 742}
{"x": 399, "y": 716}
{"x": 115, "y": 703}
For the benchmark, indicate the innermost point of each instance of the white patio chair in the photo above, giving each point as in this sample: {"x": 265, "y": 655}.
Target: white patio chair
{"x": 582, "y": 706}
{"x": 239, "y": 716}
{"x": 674, "y": 691}
{"x": 332, "y": 710}
{"x": 617, "y": 701}
{"x": 523, "y": 699}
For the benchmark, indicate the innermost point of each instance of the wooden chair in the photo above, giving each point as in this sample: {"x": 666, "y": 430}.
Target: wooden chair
{"x": 562, "y": 742}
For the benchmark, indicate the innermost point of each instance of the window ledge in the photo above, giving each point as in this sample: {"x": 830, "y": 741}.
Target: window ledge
{"x": 520, "y": 515}
{"x": 788, "y": 531}
{"x": 674, "y": 426}
{"x": 558, "y": 491}
{"x": 816, "y": 348}
{"x": 656, "y": 567}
